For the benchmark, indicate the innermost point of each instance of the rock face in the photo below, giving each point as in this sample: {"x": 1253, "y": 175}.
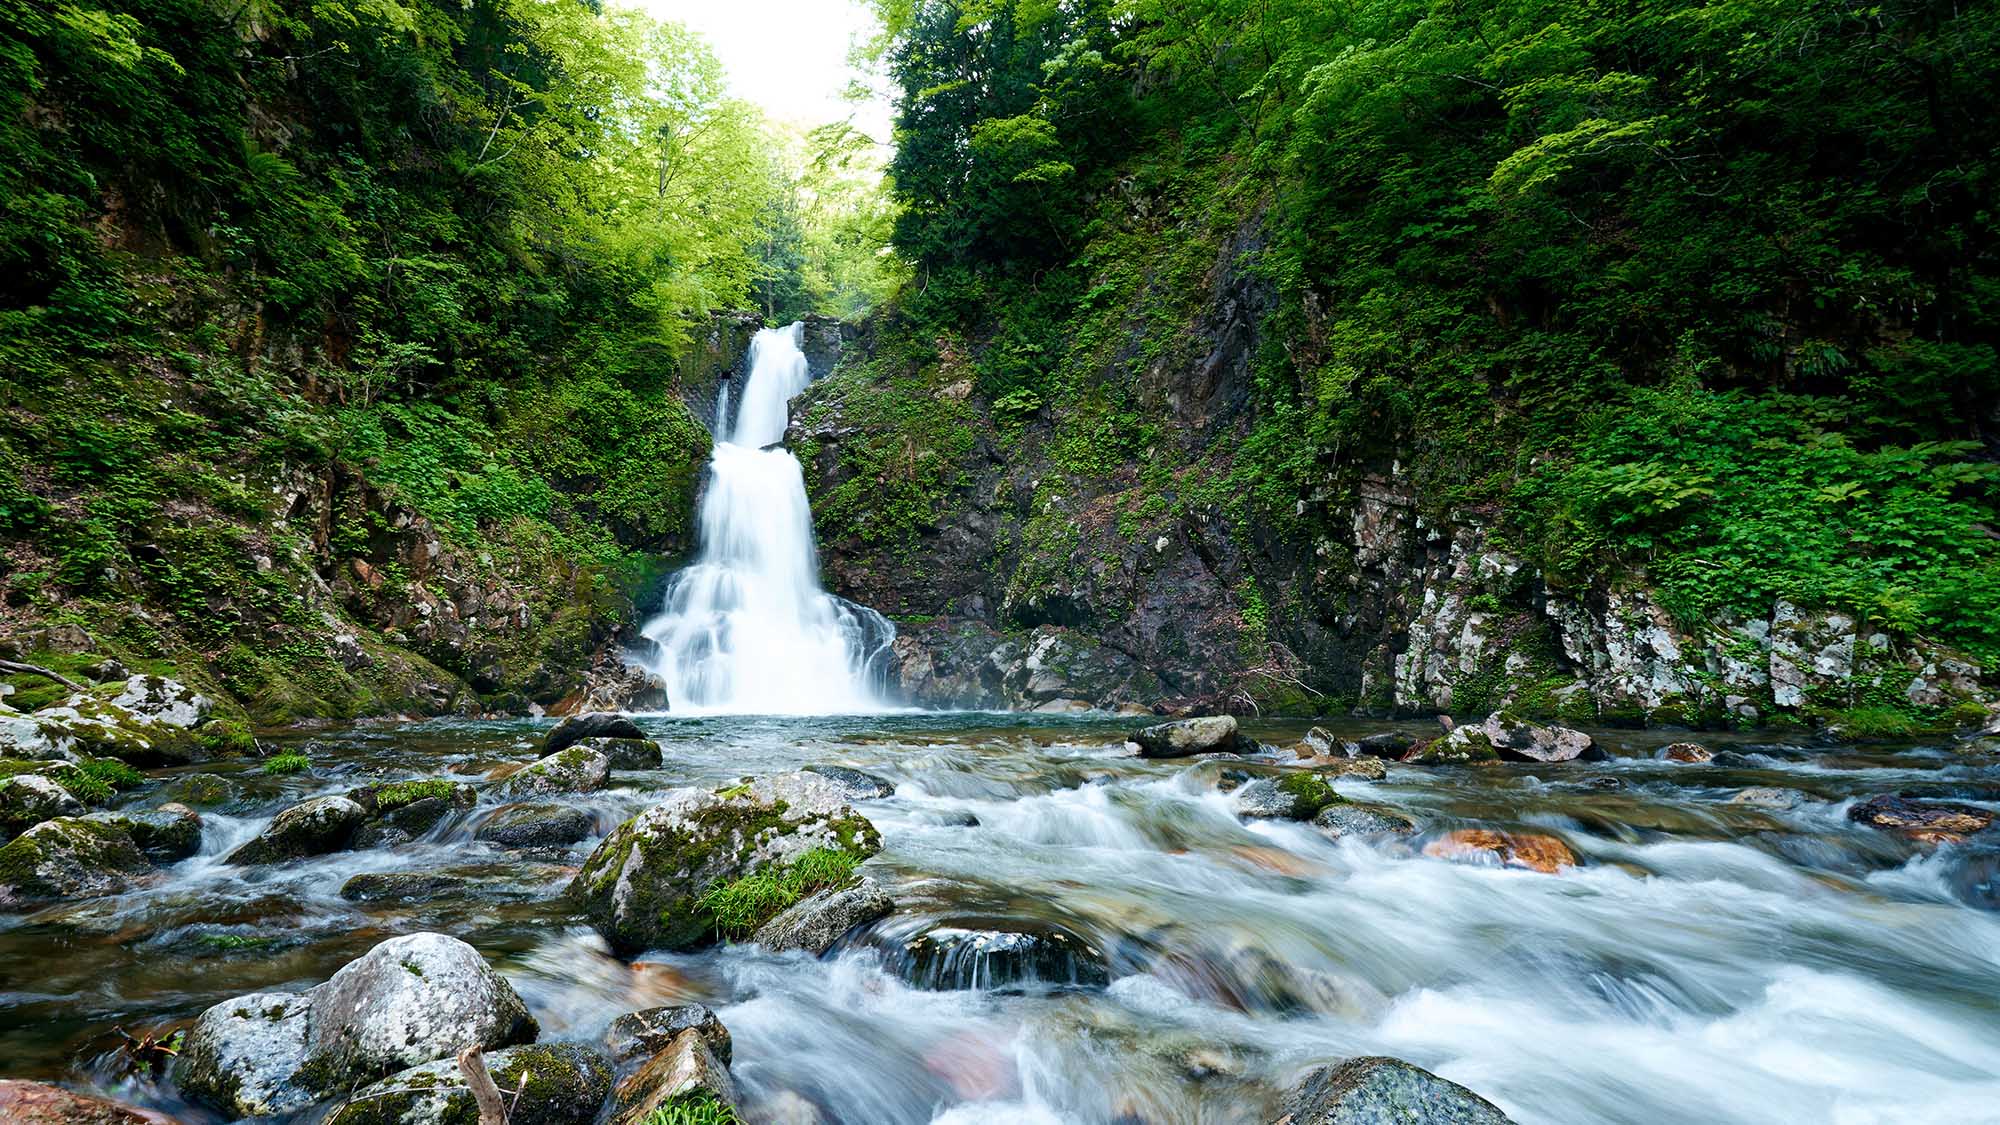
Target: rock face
{"x": 579, "y": 768}
{"x": 1535, "y": 852}
{"x": 69, "y": 857}
{"x": 816, "y": 922}
{"x": 1930, "y": 822}
{"x": 407, "y": 1001}
{"x": 36, "y": 1103}
{"x": 566, "y": 1085}
{"x": 641, "y": 1035}
{"x": 595, "y": 724}
{"x": 639, "y": 887}
{"x": 243, "y": 1056}
{"x": 1186, "y": 737}
{"x": 28, "y": 799}
{"x": 1382, "y": 1091}
{"x": 314, "y": 827}
{"x": 536, "y": 826}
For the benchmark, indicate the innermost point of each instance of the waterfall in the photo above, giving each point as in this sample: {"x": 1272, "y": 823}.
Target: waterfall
{"x": 747, "y": 629}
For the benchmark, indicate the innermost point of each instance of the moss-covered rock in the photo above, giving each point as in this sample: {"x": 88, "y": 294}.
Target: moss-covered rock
{"x": 69, "y": 857}
{"x": 1464, "y": 745}
{"x": 685, "y": 1072}
{"x": 403, "y": 810}
{"x": 628, "y": 753}
{"x": 565, "y": 1084}
{"x": 314, "y": 827}
{"x": 1296, "y": 795}
{"x": 536, "y": 826}
{"x": 30, "y": 798}
{"x": 167, "y": 834}
{"x": 579, "y": 768}
{"x": 202, "y": 791}
{"x": 1185, "y": 737}
{"x": 641, "y": 885}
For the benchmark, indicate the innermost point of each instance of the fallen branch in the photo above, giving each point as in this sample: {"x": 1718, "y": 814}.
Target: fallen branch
{"x": 16, "y": 668}
{"x": 472, "y": 1064}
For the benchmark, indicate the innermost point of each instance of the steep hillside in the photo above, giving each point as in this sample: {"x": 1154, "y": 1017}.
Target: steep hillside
{"x": 1629, "y": 366}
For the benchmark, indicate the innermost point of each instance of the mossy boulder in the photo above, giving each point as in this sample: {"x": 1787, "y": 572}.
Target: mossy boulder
{"x": 1186, "y": 737}
{"x": 566, "y": 1084}
{"x": 318, "y": 826}
{"x": 814, "y": 923}
{"x": 168, "y": 834}
{"x": 203, "y": 791}
{"x": 403, "y": 810}
{"x": 1298, "y": 795}
{"x": 147, "y": 721}
{"x": 68, "y": 857}
{"x": 28, "y": 799}
{"x": 580, "y": 768}
{"x": 398, "y": 886}
{"x": 639, "y": 887}
{"x": 243, "y": 1056}
{"x": 628, "y": 753}
{"x": 1463, "y": 746}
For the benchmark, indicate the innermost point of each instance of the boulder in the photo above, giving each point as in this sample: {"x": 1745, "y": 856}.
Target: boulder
{"x": 640, "y": 886}
{"x": 1186, "y": 737}
{"x": 1692, "y": 753}
{"x": 857, "y": 784}
{"x": 1512, "y": 849}
{"x": 566, "y": 1084}
{"x": 1343, "y": 820}
{"x": 398, "y": 886}
{"x": 1520, "y": 740}
{"x": 314, "y": 827}
{"x": 1367, "y": 769}
{"x": 629, "y": 753}
{"x": 1319, "y": 743}
{"x": 1374, "y": 1090}
{"x": 27, "y": 799}
{"x": 151, "y": 721}
{"x": 404, "y": 810}
{"x": 815, "y": 922}
{"x": 1298, "y": 795}
{"x": 68, "y": 857}
{"x": 407, "y": 1001}
{"x": 579, "y": 768}
{"x": 243, "y": 1056}
{"x": 158, "y": 701}
{"x": 595, "y": 724}
{"x": 1461, "y": 746}
{"x": 1387, "y": 744}
{"x": 641, "y": 1035}
{"x": 37, "y": 1103}
{"x": 168, "y": 834}
{"x": 686, "y": 1071}
{"x": 1930, "y": 822}
{"x": 536, "y": 826}
{"x": 952, "y": 958}
{"x": 202, "y": 790}
{"x": 24, "y": 736}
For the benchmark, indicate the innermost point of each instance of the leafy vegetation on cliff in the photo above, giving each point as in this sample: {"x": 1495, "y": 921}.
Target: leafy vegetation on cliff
{"x": 1701, "y": 291}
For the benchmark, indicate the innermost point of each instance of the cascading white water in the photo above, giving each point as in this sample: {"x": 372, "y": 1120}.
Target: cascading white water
{"x": 747, "y": 628}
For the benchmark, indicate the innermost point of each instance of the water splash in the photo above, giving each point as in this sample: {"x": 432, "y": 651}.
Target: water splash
{"x": 747, "y": 628}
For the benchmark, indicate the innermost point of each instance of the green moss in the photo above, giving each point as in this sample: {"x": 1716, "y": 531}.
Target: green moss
{"x": 1310, "y": 793}
{"x": 741, "y": 905}
{"x": 394, "y": 796}
{"x": 287, "y": 764}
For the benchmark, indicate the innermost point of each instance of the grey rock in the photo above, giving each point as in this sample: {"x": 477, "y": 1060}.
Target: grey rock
{"x": 641, "y": 1035}
{"x": 316, "y": 827}
{"x": 167, "y": 834}
{"x": 566, "y": 1084}
{"x": 595, "y": 724}
{"x": 536, "y": 826}
{"x": 579, "y": 768}
{"x": 816, "y": 922}
{"x": 1521, "y": 740}
{"x": 627, "y": 753}
{"x": 1764, "y": 797}
{"x": 243, "y": 1056}
{"x": 1338, "y": 821}
{"x": 639, "y": 887}
{"x": 398, "y": 886}
{"x": 1320, "y": 741}
{"x": 952, "y": 957}
{"x": 30, "y": 798}
{"x": 202, "y": 790}
{"x": 1387, "y": 744}
{"x": 407, "y": 1001}
{"x": 857, "y": 784}
{"x": 1374, "y": 1090}
{"x": 1187, "y": 737}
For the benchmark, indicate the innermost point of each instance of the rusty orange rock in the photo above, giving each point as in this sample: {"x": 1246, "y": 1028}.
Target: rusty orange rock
{"x": 1514, "y": 849}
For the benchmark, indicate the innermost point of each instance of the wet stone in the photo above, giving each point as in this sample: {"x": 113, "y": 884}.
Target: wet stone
{"x": 319, "y": 826}
{"x": 641, "y": 1035}
{"x": 565, "y": 1084}
{"x": 579, "y": 768}
{"x": 536, "y": 826}
{"x": 1764, "y": 797}
{"x": 1383, "y": 1091}
{"x": 65, "y": 858}
{"x": 686, "y": 1071}
{"x": 1930, "y": 822}
{"x": 243, "y": 1056}
{"x": 857, "y": 784}
{"x": 950, "y": 958}
{"x": 37, "y": 1103}
{"x": 1533, "y": 851}
{"x": 1340, "y": 821}
{"x": 30, "y": 798}
{"x": 816, "y": 922}
{"x": 1692, "y": 753}
{"x": 594, "y": 724}
{"x": 1387, "y": 744}
{"x": 167, "y": 834}
{"x": 628, "y": 753}
{"x": 1187, "y": 737}
{"x": 398, "y": 886}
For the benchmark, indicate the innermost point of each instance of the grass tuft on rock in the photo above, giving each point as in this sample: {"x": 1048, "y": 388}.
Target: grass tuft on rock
{"x": 742, "y": 905}
{"x": 701, "y": 1110}
{"x": 285, "y": 764}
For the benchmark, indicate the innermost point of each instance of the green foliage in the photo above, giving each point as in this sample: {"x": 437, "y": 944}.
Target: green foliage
{"x": 283, "y": 764}
{"x": 397, "y": 794}
{"x": 703, "y": 1109}
{"x": 742, "y": 905}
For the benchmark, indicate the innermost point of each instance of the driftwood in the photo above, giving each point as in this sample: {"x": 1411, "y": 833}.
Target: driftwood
{"x": 472, "y": 1064}
{"x": 16, "y": 668}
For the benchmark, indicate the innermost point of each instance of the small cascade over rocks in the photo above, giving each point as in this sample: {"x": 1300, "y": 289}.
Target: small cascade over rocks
{"x": 747, "y": 628}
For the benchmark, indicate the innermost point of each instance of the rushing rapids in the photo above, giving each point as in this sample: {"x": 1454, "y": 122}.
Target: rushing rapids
{"x": 747, "y": 629}
{"x": 1084, "y": 936}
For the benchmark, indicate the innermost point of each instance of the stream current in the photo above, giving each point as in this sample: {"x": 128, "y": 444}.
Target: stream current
{"x": 1710, "y": 961}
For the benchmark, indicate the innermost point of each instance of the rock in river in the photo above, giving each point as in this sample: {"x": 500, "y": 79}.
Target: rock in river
{"x": 1298, "y": 795}
{"x": 1931, "y": 822}
{"x": 1512, "y": 849}
{"x": 1520, "y": 740}
{"x": 566, "y": 1084}
{"x": 640, "y": 1035}
{"x": 1344, "y": 820}
{"x": 536, "y": 826}
{"x": 685, "y": 1071}
{"x": 68, "y": 857}
{"x": 1187, "y": 737}
{"x": 1382, "y": 1091}
{"x": 1692, "y": 753}
{"x": 167, "y": 834}
{"x": 243, "y": 1056}
{"x": 857, "y": 784}
{"x": 815, "y": 922}
{"x": 30, "y": 798}
{"x": 36, "y": 1103}
{"x": 580, "y": 768}
{"x": 640, "y": 886}
{"x": 316, "y": 827}
{"x": 594, "y": 724}
{"x": 628, "y": 753}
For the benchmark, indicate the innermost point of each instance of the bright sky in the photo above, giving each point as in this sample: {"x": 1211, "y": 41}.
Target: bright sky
{"x": 789, "y": 56}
